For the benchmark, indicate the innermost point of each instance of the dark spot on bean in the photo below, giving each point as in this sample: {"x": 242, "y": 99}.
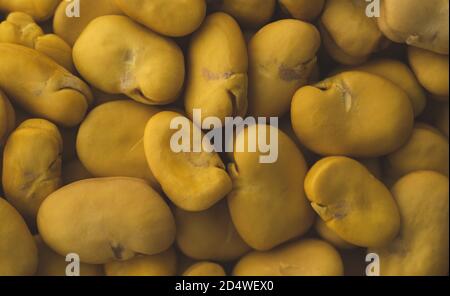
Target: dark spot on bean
{"x": 209, "y": 75}
{"x": 117, "y": 250}
{"x": 290, "y": 74}
{"x": 233, "y": 100}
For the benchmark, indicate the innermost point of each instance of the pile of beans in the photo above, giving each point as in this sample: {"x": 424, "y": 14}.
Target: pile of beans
{"x": 89, "y": 91}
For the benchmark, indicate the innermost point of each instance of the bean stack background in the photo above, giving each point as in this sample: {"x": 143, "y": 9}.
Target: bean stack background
{"x": 86, "y": 103}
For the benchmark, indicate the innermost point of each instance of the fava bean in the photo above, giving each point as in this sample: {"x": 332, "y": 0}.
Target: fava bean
{"x": 117, "y": 218}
